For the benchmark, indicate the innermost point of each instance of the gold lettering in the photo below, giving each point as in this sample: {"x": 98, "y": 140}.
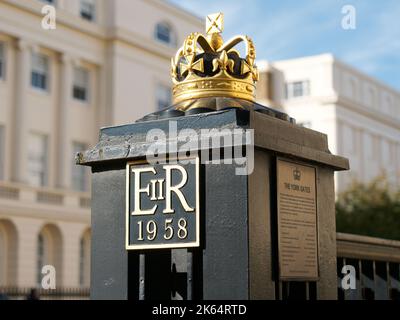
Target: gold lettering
{"x": 176, "y": 189}
{"x": 160, "y": 189}
{"x": 182, "y": 232}
{"x": 168, "y": 229}
{"x": 153, "y": 189}
{"x": 138, "y": 190}
{"x": 151, "y": 230}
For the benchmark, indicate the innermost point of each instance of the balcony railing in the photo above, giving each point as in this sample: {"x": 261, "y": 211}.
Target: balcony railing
{"x": 8, "y": 192}
{"x": 54, "y": 197}
{"x": 377, "y": 266}
{"x": 14, "y": 293}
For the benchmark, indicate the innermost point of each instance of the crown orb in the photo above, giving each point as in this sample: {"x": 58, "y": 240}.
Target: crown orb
{"x": 216, "y": 41}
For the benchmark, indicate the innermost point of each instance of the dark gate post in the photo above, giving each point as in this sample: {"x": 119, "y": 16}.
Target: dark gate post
{"x": 268, "y": 234}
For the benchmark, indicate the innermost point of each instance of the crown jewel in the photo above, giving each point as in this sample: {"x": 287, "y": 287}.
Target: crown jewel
{"x": 205, "y": 66}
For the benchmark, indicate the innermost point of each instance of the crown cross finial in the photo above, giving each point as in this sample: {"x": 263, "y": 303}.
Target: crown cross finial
{"x": 215, "y": 23}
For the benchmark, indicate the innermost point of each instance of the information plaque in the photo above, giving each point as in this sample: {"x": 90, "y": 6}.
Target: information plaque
{"x": 297, "y": 221}
{"x": 162, "y": 205}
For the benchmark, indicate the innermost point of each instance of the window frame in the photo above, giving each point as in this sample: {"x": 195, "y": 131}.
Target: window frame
{"x": 43, "y": 76}
{"x": 84, "y": 259}
{"x": 81, "y": 261}
{"x": 297, "y": 89}
{"x": 76, "y": 86}
{"x": 44, "y": 158}
{"x": 84, "y": 13}
{"x": 161, "y": 86}
{"x": 40, "y": 257}
{"x": 171, "y": 41}
{"x": 79, "y": 174}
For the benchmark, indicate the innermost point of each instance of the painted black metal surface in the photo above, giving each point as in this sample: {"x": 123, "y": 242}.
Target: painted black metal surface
{"x": 132, "y": 141}
{"x": 225, "y": 254}
{"x": 218, "y": 269}
{"x": 109, "y": 259}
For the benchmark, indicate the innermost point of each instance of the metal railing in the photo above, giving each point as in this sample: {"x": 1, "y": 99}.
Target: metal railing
{"x": 377, "y": 267}
{"x": 376, "y": 263}
{"x": 16, "y": 293}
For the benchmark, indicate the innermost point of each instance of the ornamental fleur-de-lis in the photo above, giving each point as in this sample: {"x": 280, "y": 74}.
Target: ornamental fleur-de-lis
{"x": 223, "y": 62}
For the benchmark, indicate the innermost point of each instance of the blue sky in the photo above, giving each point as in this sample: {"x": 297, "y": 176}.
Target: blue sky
{"x": 287, "y": 29}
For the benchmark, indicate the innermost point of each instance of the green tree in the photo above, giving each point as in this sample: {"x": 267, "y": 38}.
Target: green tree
{"x": 371, "y": 209}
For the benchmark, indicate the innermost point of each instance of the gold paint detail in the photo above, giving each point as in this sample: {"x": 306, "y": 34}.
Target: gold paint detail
{"x": 189, "y": 67}
{"x": 224, "y": 82}
{"x": 223, "y": 62}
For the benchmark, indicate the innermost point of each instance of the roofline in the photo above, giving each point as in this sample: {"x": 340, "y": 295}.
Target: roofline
{"x": 330, "y": 57}
{"x": 188, "y": 15}
{"x": 377, "y": 81}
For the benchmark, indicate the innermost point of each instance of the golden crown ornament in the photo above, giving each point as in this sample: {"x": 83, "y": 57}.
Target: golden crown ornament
{"x": 205, "y": 66}
{"x": 210, "y": 75}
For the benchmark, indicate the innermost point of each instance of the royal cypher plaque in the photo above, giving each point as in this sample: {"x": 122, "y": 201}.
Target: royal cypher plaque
{"x": 297, "y": 221}
{"x": 162, "y": 205}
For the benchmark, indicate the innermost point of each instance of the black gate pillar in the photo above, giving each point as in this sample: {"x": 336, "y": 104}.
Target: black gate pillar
{"x": 207, "y": 229}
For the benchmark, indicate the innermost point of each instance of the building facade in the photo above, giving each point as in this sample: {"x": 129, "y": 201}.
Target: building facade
{"x": 360, "y": 115}
{"x": 106, "y": 63}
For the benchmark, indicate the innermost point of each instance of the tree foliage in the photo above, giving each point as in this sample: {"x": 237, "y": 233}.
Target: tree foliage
{"x": 371, "y": 209}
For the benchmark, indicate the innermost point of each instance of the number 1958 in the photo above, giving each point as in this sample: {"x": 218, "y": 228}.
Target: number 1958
{"x": 150, "y": 230}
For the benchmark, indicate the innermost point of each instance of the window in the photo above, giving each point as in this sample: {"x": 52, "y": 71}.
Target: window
{"x": 297, "y": 89}
{"x": 49, "y": 1}
{"x": 84, "y": 260}
{"x": 2, "y": 152}
{"x": 81, "y": 261}
{"x": 37, "y": 160}
{"x": 164, "y": 34}
{"x": 40, "y": 70}
{"x": 2, "y": 61}
{"x": 3, "y": 256}
{"x": 40, "y": 258}
{"x": 88, "y": 9}
{"x": 49, "y": 251}
{"x": 79, "y": 173}
{"x": 81, "y": 84}
{"x": 163, "y": 95}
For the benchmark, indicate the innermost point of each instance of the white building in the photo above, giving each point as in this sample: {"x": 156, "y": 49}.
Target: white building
{"x": 107, "y": 62}
{"x": 360, "y": 114}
